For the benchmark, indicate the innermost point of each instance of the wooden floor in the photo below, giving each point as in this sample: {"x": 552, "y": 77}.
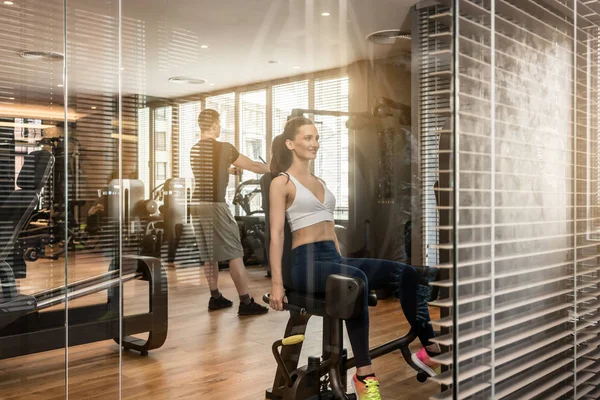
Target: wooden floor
{"x": 214, "y": 355}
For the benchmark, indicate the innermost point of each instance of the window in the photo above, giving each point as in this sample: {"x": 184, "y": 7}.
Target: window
{"x": 329, "y": 95}
{"x": 189, "y": 134}
{"x": 162, "y": 144}
{"x": 144, "y": 149}
{"x": 253, "y": 130}
{"x": 161, "y": 172}
{"x": 332, "y": 161}
{"x": 225, "y": 105}
{"x": 161, "y": 141}
{"x": 286, "y": 97}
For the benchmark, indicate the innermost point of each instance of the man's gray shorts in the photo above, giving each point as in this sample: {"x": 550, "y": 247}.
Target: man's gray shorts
{"x": 217, "y": 233}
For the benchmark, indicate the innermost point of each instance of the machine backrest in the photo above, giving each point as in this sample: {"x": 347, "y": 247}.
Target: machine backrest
{"x": 16, "y": 210}
{"x": 133, "y": 197}
{"x": 286, "y": 262}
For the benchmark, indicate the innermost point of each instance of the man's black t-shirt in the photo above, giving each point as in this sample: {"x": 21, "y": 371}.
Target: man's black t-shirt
{"x": 210, "y": 160}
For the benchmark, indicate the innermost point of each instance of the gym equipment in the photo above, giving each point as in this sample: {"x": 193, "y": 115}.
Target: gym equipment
{"x": 248, "y": 196}
{"x": 25, "y": 327}
{"x": 142, "y": 227}
{"x": 324, "y": 377}
{"x": 45, "y": 228}
{"x": 177, "y": 195}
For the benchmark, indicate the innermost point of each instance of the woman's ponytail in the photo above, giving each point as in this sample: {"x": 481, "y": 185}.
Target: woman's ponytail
{"x": 281, "y": 156}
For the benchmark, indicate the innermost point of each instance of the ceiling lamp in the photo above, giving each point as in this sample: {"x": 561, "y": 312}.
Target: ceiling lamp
{"x": 389, "y": 36}
{"x": 184, "y": 80}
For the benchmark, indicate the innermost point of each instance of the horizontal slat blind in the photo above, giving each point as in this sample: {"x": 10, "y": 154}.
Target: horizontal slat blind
{"x": 332, "y": 161}
{"x": 189, "y": 134}
{"x": 286, "y": 97}
{"x": 225, "y": 105}
{"x": 516, "y": 222}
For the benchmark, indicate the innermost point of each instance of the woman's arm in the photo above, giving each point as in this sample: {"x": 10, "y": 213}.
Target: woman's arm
{"x": 277, "y": 200}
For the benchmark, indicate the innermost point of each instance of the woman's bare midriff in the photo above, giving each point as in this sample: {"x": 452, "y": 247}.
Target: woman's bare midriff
{"x": 320, "y": 232}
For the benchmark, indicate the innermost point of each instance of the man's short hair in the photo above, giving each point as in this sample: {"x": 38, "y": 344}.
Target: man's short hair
{"x": 207, "y": 118}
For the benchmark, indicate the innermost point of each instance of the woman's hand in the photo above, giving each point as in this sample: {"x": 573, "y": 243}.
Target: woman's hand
{"x": 277, "y": 297}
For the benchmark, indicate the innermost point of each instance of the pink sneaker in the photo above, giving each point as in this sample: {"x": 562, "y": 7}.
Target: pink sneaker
{"x": 423, "y": 361}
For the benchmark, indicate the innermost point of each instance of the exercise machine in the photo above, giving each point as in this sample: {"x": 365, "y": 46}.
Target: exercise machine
{"x": 248, "y": 195}
{"x": 322, "y": 377}
{"x": 31, "y": 323}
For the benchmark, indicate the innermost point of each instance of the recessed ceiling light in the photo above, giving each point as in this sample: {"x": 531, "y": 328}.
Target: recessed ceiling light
{"x": 94, "y": 107}
{"x": 60, "y": 85}
{"x": 11, "y": 98}
{"x": 9, "y": 3}
{"x": 325, "y": 14}
{"x": 42, "y": 55}
{"x": 389, "y": 36}
{"x": 204, "y": 46}
{"x": 186, "y": 80}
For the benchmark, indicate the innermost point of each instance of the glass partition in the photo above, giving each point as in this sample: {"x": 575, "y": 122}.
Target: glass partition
{"x": 128, "y": 216}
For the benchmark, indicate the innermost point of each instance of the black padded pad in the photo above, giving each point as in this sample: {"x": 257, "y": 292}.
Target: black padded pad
{"x": 16, "y": 210}
{"x": 32, "y": 174}
{"x": 314, "y": 305}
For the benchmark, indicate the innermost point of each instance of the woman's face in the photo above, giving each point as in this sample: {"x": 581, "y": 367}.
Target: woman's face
{"x": 306, "y": 142}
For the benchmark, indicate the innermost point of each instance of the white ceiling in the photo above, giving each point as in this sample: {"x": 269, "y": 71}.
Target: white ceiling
{"x": 163, "y": 38}
{"x": 244, "y": 35}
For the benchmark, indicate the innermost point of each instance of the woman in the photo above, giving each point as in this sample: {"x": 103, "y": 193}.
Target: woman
{"x": 308, "y": 205}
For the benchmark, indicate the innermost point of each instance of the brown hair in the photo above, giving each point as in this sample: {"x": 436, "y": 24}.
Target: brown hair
{"x": 281, "y": 156}
{"x": 207, "y": 118}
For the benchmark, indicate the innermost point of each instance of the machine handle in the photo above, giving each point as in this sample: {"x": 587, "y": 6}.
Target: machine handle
{"x": 287, "y": 306}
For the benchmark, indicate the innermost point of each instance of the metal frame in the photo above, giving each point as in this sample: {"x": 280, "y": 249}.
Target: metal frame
{"x": 40, "y": 331}
{"x": 334, "y": 362}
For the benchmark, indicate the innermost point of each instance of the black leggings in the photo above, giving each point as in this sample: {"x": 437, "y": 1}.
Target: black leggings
{"x": 314, "y": 262}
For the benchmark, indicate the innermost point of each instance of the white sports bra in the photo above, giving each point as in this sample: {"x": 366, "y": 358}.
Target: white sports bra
{"x": 307, "y": 209}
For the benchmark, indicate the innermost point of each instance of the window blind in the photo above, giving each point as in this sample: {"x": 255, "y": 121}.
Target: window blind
{"x": 224, "y": 104}
{"x": 253, "y": 129}
{"x": 516, "y": 164}
{"x": 332, "y": 161}
{"x": 162, "y": 144}
{"x": 286, "y": 97}
{"x": 144, "y": 148}
{"x": 189, "y": 134}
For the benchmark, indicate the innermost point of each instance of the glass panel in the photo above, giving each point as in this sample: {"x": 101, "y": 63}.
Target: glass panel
{"x": 150, "y": 127}
{"x": 89, "y": 207}
{"x": 32, "y": 222}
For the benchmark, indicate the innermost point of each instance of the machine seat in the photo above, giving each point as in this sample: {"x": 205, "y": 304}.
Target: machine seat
{"x": 316, "y": 304}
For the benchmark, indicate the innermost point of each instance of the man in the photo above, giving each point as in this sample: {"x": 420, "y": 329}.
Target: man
{"x": 217, "y": 232}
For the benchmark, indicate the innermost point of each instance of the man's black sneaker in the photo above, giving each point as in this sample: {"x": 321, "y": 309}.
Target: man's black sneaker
{"x": 217, "y": 304}
{"x": 252, "y": 308}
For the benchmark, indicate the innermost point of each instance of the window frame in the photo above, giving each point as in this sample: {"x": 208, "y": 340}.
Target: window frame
{"x": 174, "y": 167}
